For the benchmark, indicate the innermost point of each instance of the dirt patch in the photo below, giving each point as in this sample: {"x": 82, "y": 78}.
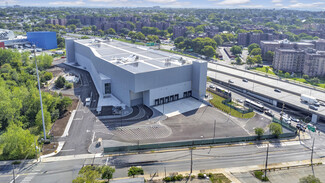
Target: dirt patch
{"x": 56, "y": 71}
{"x": 49, "y": 148}
{"x": 60, "y": 124}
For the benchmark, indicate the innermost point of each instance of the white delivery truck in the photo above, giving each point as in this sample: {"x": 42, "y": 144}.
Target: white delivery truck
{"x": 309, "y": 99}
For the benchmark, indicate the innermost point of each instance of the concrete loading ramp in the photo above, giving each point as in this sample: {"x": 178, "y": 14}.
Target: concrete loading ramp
{"x": 179, "y": 107}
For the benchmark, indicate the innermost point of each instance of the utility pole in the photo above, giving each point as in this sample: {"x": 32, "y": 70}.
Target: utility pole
{"x": 191, "y": 160}
{"x": 282, "y": 113}
{"x": 311, "y": 157}
{"x": 36, "y": 149}
{"x": 267, "y": 157}
{"x": 13, "y": 174}
{"x": 214, "y": 130}
{"x": 40, "y": 93}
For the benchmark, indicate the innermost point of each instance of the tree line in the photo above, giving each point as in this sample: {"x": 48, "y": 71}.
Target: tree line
{"x": 20, "y": 115}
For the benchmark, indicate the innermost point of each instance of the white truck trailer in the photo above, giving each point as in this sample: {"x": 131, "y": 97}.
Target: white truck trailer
{"x": 309, "y": 99}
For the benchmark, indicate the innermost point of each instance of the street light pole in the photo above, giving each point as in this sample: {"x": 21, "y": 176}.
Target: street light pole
{"x": 40, "y": 93}
{"x": 311, "y": 158}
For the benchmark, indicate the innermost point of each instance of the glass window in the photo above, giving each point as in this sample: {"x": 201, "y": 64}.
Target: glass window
{"x": 108, "y": 88}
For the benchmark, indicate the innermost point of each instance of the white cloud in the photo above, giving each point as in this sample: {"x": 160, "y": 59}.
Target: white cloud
{"x": 252, "y": 6}
{"x": 107, "y": 1}
{"x": 279, "y": 5}
{"x": 306, "y": 5}
{"x": 276, "y": 1}
{"x": 67, "y": 3}
{"x": 293, "y": 1}
{"x": 233, "y": 2}
{"x": 161, "y": 1}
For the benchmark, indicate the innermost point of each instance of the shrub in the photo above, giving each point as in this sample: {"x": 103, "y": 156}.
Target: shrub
{"x": 68, "y": 85}
{"x": 200, "y": 176}
{"x": 167, "y": 179}
{"x": 60, "y": 82}
{"x": 259, "y": 174}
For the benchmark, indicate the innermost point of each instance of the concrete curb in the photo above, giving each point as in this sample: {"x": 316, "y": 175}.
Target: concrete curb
{"x": 67, "y": 128}
{"x": 58, "y": 149}
{"x": 65, "y": 133}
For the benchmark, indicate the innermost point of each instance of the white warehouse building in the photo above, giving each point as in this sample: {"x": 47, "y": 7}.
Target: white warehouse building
{"x": 136, "y": 74}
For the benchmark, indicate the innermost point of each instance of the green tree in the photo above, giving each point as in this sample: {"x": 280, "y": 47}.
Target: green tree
{"x": 287, "y": 75}
{"x": 72, "y": 27}
{"x": 250, "y": 61}
{"x": 84, "y": 37}
{"x": 252, "y": 46}
{"x": 107, "y": 172}
{"x": 48, "y": 76}
{"x": 111, "y": 31}
{"x": 276, "y": 129}
{"x": 47, "y": 120}
{"x": 305, "y": 76}
{"x": 60, "y": 82}
{"x": 258, "y": 59}
{"x": 208, "y": 51}
{"x": 314, "y": 80}
{"x": 267, "y": 69}
{"x": 309, "y": 179}
{"x": 140, "y": 36}
{"x": 269, "y": 55}
{"x": 236, "y": 50}
{"x": 133, "y": 171}
{"x": 87, "y": 174}
{"x": 256, "y": 51}
{"x": 17, "y": 143}
{"x": 259, "y": 132}
{"x": 218, "y": 39}
{"x": 238, "y": 60}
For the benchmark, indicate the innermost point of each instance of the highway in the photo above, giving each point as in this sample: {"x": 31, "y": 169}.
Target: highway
{"x": 266, "y": 89}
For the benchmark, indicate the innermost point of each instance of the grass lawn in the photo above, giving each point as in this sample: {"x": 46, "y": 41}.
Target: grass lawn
{"x": 217, "y": 102}
{"x": 179, "y": 53}
{"x": 302, "y": 80}
{"x": 129, "y": 41}
{"x": 219, "y": 178}
{"x": 263, "y": 69}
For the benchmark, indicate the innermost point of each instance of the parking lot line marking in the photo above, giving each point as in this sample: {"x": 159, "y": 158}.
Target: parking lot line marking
{"x": 92, "y": 140}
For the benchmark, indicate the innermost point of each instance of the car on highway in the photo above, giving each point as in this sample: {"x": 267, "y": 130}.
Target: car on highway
{"x": 245, "y": 80}
{"x": 211, "y": 86}
{"x": 277, "y": 90}
{"x": 230, "y": 81}
{"x": 313, "y": 107}
{"x": 321, "y": 103}
{"x": 240, "y": 100}
{"x": 301, "y": 127}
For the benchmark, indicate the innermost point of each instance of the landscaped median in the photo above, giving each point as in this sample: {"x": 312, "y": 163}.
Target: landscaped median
{"x": 216, "y": 101}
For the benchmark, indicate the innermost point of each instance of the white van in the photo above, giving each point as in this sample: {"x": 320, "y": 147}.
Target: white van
{"x": 87, "y": 102}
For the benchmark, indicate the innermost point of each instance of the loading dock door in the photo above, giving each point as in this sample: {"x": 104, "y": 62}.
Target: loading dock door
{"x": 157, "y": 102}
{"x": 176, "y": 97}
{"x": 166, "y": 99}
{"x": 161, "y": 101}
{"x": 171, "y": 98}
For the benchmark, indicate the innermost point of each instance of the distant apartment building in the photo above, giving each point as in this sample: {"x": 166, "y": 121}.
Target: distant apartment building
{"x": 179, "y": 31}
{"x": 246, "y": 39}
{"x": 288, "y": 60}
{"x": 60, "y": 21}
{"x": 314, "y": 64}
{"x": 283, "y": 44}
{"x": 309, "y": 61}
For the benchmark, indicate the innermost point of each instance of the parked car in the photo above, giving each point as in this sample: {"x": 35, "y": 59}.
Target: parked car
{"x": 277, "y": 90}
{"x": 269, "y": 113}
{"x": 301, "y": 127}
{"x": 313, "y": 107}
{"x": 294, "y": 119}
{"x": 245, "y": 80}
{"x": 211, "y": 86}
{"x": 230, "y": 81}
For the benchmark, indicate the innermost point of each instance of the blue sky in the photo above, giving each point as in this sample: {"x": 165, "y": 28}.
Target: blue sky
{"x": 269, "y": 4}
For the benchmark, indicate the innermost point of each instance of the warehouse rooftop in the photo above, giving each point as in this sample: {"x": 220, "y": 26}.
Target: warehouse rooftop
{"x": 134, "y": 58}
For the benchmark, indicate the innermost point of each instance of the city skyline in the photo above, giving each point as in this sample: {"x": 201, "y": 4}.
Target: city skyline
{"x": 218, "y": 4}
